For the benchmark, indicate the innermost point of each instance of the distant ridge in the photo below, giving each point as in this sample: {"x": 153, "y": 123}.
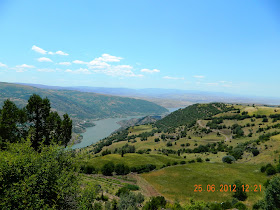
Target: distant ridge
{"x": 81, "y": 105}
{"x": 170, "y": 98}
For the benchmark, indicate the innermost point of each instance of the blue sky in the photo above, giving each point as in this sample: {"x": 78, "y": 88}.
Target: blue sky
{"x": 228, "y": 46}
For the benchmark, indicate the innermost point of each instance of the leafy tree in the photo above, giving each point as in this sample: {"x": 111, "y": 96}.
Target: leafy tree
{"x": 272, "y": 194}
{"x": 121, "y": 169}
{"x": 270, "y": 170}
{"x": 32, "y": 180}
{"x": 38, "y": 110}
{"x": 155, "y": 203}
{"x": 127, "y": 201}
{"x": 239, "y": 194}
{"x": 228, "y": 159}
{"x": 108, "y": 169}
{"x": 10, "y": 117}
{"x": 66, "y": 129}
{"x": 255, "y": 152}
{"x": 47, "y": 126}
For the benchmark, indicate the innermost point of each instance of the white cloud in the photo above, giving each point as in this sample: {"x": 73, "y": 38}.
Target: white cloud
{"x": 108, "y": 58}
{"x": 65, "y": 63}
{"x": 118, "y": 71}
{"x": 79, "y": 62}
{"x": 44, "y": 59}
{"x": 25, "y": 66}
{"x": 46, "y": 70}
{"x": 3, "y": 65}
{"x": 95, "y": 64}
{"x": 150, "y": 71}
{"x": 174, "y": 78}
{"x": 42, "y": 51}
{"x": 58, "y": 53}
{"x": 38, "y": 49}
{"x": 78, "y": 71}
{"x": 199, "y": 76}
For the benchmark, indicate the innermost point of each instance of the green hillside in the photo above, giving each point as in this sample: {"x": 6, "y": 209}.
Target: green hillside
{"x": 190, "y": 114}
{"x": 188, "y": 147}
{"x": 79, "y": 104}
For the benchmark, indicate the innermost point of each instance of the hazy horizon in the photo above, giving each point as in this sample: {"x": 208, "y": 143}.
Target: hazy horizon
{"x": 230, "y": 47}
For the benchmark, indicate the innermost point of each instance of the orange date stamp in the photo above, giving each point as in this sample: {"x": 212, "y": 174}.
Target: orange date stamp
{"x": 226, "y": 188}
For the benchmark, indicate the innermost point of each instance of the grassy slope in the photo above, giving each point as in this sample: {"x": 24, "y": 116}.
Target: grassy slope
{"x": 177, "y": 182}
{"x": 80, "y": 104}
{"x": 134, "y": 159}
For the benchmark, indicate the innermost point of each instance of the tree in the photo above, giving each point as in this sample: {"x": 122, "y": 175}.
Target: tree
{"x": 240, "y": 194}
{"x": 66, "y": 129}
{"x": 38, "y": 110}
{"x": 228, "y": 159}
{"x": 255, "y": 152}
{"x": 155, "y": 203}
{"x": 272, "y": 194}
{"x": 10, "y": 117}
{"x": 108, "y": 169}
{"x": 121, "y": 169}
{"x": 128, "y": 201}
{"x": 47, "y": 126}
{"x": 32, "y": 180}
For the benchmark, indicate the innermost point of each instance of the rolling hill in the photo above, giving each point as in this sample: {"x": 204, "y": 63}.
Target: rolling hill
{"x": 81, "y": 105}
{"x": 188, "y": 148}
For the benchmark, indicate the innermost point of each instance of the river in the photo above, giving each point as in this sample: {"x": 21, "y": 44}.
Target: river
{"x": 102, "y": 129}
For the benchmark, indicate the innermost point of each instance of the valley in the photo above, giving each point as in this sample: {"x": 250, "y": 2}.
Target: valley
{"x": 188, "y": 151}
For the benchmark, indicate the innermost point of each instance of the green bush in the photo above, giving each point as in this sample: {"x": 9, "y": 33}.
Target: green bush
{"x": 108, "y": 169}
{"x": 32, "y": 180}
{"x": 131, "y": 187}
{"x": 183, "y": 162}
{"x": 239, "y": 193}
{"x": 228, "y": 159}
{"x": 240, "y": 206}
{"x": 121, "y": 169}
{"x": 255, "y": 152}
{"x": 270, "y": 170}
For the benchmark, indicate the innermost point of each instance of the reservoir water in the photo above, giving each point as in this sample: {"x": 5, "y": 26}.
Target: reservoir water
{"x": 102, "y": 129}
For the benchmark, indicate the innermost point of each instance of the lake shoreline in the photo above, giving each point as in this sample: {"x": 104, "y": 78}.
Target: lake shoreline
{"x": 104, "y": 128}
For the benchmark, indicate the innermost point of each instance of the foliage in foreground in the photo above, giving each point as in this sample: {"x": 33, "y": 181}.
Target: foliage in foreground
{"x": 29, "y": 179}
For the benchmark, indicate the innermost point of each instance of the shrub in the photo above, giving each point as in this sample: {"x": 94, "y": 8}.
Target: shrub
{"x": 169, "y": 144}
{"x": 191, "y": 161}
{"x": 207, "y": 159}
{"x": 123, "y": 190}
{"x": 240, "y": 206}
{"x": 88, "y": 169}
{"x": 239, "y": 194}
{"x": 183, "y": 162}
{"x": 121, "y": 169}
{"x": 270, "y": 170}
{"x": 131, "y": 187}
{"x": 255, "y": 152}
{"x": 108, "y": 169}
{"x": 228, "y": 159}
{"x": 263, "y": 169}
{"x": 157, "y": 139}
{"x": 33, "y": 180}
{"x": 155, "y": 203}
{"x": 199, "y": 160}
